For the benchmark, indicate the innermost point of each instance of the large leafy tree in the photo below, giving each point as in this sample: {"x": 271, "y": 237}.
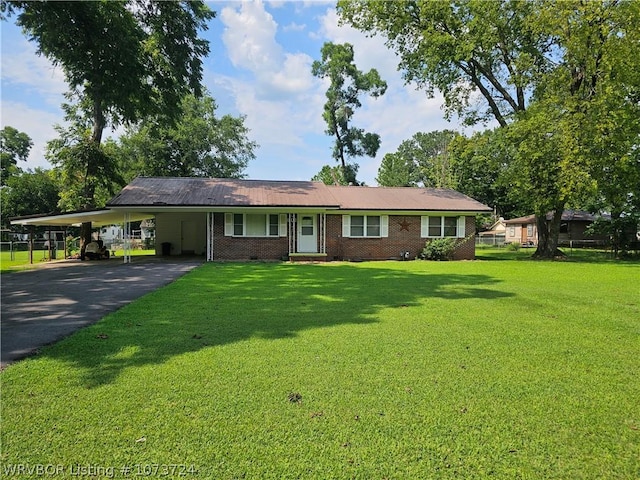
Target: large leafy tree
{"x": 512, "y": 55}
{"x": 396, "y": 170}
{"x": 29, "y": 192}
{"x": 126, "y": 59}
{"x": 87, "y": 171}
{"x": 483, "y": 168}
{"x": 198, "y": 144}
{"x": 347, "y": 85}
{"x": 123, "y": 60}
{"x": 14, "y": 145}
{"x": 424, "y": 159}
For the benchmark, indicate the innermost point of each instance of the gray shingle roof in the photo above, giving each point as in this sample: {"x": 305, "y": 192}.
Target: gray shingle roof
{"x": 202, "y": 192}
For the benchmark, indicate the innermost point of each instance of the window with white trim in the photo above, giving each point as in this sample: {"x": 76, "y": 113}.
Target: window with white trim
{"x": 365, "y": 226}
{"x": 435, "y": 226}
{"x": 255, "y": 225}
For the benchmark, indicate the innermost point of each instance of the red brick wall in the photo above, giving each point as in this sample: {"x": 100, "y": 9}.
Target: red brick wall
{"x": 238, "y": 248}
{"x": 404, "y": 235}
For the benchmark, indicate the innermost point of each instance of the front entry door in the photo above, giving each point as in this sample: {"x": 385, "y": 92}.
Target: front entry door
{"x": 307, "y": 238}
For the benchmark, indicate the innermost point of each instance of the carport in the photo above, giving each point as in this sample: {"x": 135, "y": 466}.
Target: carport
{"x": 98, "y": 218}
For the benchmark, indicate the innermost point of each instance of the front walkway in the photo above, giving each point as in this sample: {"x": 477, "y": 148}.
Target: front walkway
{"x": 44, "y": 305}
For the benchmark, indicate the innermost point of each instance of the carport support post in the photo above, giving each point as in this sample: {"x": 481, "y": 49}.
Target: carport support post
{"x": 126, "y": 246}
{"x": 31, "y": 245}
{"x": 210, "y": 236}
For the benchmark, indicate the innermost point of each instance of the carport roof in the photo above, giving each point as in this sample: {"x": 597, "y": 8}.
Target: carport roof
{"x": 98, "y": 218}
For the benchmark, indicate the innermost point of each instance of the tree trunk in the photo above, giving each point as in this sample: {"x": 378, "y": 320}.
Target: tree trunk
{"x": 548, "y": 233}
{"x": 99, "y": 124}
{"x": 85, "y": 237}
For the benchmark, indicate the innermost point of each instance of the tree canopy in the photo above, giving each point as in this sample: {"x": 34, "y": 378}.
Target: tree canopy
{"x": 126, "y": 59}
{"x": 14, "y": 146}
{"x": 337, "y": 175}
{"x": 29, "y": 192}
{"x": 198, "y": 144}
{"x": 423, "y": 160}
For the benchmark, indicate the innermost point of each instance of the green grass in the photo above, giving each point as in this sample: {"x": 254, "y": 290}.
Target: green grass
{"x": 21, "y": 260}
{"x": 500, "y": 369}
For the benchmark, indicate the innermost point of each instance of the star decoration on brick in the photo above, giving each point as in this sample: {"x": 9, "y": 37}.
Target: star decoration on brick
{"x": 404, "y": 225}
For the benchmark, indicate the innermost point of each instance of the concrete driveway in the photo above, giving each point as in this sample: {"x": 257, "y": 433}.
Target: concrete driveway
{"x": 44, "y": 305}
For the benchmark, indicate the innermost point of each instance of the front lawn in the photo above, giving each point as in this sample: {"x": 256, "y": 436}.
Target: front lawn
{"x": 500, "y": 369}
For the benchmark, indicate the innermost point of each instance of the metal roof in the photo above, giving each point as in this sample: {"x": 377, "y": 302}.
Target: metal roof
{"x": 567, "y": 216}
{"x": 215, "y": 192}
{"x": 404, "y": 199}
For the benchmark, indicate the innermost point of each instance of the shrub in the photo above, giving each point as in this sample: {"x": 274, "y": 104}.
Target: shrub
{"x": 439, "y": 249}
{"x": 513, "y": 247}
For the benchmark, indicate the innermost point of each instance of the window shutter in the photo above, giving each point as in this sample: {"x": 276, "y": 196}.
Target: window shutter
{"x": 461, "y": 227}
{"x": 424, "y": 227}
{"x": 228, "y": 224}
{"x": 283, "y": 225}
{"x": 384, "y": 225}
{"x": 346, "y": 225}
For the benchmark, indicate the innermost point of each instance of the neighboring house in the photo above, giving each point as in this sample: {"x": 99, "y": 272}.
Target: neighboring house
{"x": 573, "y": 226}
{"x": 495, "y": 235}
{"x": 226, "y": 219}
{"x": 115, "y": 233}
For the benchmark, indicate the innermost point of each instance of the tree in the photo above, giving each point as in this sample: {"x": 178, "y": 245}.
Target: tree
{"x": 396, "y": 171}
{"x": 126, "y": 59}
{"x": 29, "y": 192}
{"x": 14, "y": 146}
{"x": 337, "y": 175}
{"x": 422, "y": 160}
{"x": 483, "y": 168}
{"x": 554, "y": 54}
{"x": 347, "y": 84}
{"x": 198, "y": 144}
{"x": 123, "y": 60}
{"x": 87, "y": 171}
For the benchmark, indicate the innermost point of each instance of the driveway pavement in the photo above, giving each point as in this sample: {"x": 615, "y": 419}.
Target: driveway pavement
{"x": 44, "y": 305}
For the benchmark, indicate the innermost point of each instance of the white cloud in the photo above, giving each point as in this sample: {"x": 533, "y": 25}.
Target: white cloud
{"x": 294, "y": 27}
{"x": 36, "y": 74}
{"x": 250, "y": 39}
{"x": 282, "y": 100}
{"x": 38, "y": 124}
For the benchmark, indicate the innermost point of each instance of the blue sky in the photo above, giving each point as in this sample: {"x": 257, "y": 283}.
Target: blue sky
{"x": 259, "y": 67}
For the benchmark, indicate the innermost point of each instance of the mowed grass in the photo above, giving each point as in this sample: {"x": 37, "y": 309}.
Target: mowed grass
{"x": 486, "y": 369}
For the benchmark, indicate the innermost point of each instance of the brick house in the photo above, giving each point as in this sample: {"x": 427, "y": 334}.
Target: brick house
{"x": 573, "y": 230}
{"x": 228, "y": 219}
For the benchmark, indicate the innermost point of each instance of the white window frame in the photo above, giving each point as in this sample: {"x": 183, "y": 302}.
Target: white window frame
{"x": 460, "y": 226}
{"x": 230, "y": 225}
{"x": 384, "y": 226}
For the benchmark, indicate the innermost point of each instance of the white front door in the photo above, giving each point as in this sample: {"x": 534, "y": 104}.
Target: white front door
{"x": 307, "y": 238}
